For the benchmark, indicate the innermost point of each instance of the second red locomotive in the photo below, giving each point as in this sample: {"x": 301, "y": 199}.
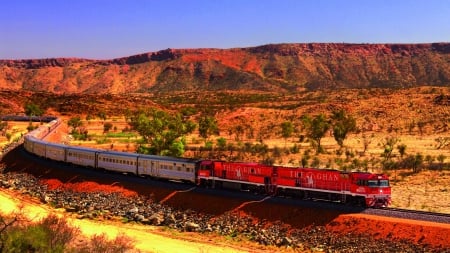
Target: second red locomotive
{"x": 362, "y": 188}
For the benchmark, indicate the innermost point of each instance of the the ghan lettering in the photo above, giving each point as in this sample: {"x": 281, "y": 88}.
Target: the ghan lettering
{"x": 325, "y": 177}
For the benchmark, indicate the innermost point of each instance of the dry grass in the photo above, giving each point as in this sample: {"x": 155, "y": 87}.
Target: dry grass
{"x": 427, "y": 190}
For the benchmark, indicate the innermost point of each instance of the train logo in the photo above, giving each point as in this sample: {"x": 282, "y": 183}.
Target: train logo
{"x": 310, "y": 181}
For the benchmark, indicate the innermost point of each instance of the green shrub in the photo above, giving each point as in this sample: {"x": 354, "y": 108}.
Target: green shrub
{"x": 49, "y": 235}
{"x": 54, "y": 235}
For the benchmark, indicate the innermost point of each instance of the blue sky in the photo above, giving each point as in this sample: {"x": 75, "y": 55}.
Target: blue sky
{"x": 105, "y": 29}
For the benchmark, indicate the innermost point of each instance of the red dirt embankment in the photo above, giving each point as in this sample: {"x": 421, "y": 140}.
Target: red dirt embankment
{"x": 87, "y": 187}
{"x": 418, "y": 232}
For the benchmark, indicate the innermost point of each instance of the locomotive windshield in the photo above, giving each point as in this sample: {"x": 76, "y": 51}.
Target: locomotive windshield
{"x": 378, "y": 183}
{"x": 384, "y": 183}
{"x": 374, "y": 183}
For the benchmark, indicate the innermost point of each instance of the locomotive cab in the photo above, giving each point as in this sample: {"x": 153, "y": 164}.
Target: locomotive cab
{"x": 204, "y": 172}
{"x": 374, "y": 187}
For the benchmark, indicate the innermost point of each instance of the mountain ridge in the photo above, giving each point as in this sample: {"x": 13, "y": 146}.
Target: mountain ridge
{"x": 273, "y": 67}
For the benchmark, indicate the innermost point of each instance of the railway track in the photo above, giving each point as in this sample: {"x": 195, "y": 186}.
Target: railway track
{"x": 410, "y": 214}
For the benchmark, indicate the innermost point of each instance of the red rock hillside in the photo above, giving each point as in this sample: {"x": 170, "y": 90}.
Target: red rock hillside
{"x": 280, "y": 67}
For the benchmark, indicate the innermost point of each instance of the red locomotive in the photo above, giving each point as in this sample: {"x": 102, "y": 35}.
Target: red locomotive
{"x": 366, "y": 189}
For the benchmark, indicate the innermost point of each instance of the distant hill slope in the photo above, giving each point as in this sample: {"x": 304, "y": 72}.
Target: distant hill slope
{"x": 279, "y": 67}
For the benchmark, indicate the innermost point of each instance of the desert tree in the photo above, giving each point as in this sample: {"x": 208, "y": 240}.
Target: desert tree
{"x": 366, "y": 140}
{"x": 78, "y": 130}
{"x": 421, "y": 125}
{"x": 107, "y": 126}
{"x": 221, "y": 143}
{"x": 89, "y": 117}
{"x": 304, "y": 161}
{"x": 388, "y": 147}
{"x": 8, "y": 136}
{"x": 401, "y": 150}
{"x": 418, "y": 161}
{"x": 414, "y": 162}
{"x": 32, "y": 109}
{"x": 343, "y": 124}
{"x": 207, "y": 126}
{"x": 315, "y": 162}
{"x": 163, "y": 132}
{"x": 316, "y": 129}
{"x": 238, "y": 132}
{"x": 75, "y": 123}
{"x": 411, "y": 126}
{"x": 441, "y": 158}
{"x": 102, "y": 115}
{"x": 429, "y": 159}
{"x": 287, "y": 128}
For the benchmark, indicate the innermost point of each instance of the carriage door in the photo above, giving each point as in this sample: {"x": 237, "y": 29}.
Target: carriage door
{"x": 154, "y": 167}
{"x": 145, "y": 168}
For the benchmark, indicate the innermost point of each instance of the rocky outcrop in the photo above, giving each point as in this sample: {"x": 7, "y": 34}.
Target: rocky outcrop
{"x": 41, "y": 63}
{"x": 275, "y": 67}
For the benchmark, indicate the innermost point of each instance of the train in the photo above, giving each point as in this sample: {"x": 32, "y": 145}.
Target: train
{"x": 359, "y": 188}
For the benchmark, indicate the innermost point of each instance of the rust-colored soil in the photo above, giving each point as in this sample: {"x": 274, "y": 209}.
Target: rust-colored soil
{"x": 87, "y": 187}
{"x": 419, "y": 232}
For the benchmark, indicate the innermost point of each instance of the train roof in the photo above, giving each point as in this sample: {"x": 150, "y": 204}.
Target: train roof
{"x": 168, "y": 158}
{"x": 234, "y": 162}
{"x": 37, "y": 140}
{"x": 119, "y": 153}
{"x": 78, "y": 148}
{"x": 28, "y": 118}
{"x": 56, "y": 144}
{"x": 367, "y": 175}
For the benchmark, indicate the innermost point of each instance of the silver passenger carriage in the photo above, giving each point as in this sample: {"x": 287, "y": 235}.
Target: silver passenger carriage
{"x": 39, "y": 147}
{"x": 56, "y": 151}
{"x": 28, "y": 143}
{"x": 172, "y": 168}
{"x": 82, "y": 156}
{"x": 118, "y": 161}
